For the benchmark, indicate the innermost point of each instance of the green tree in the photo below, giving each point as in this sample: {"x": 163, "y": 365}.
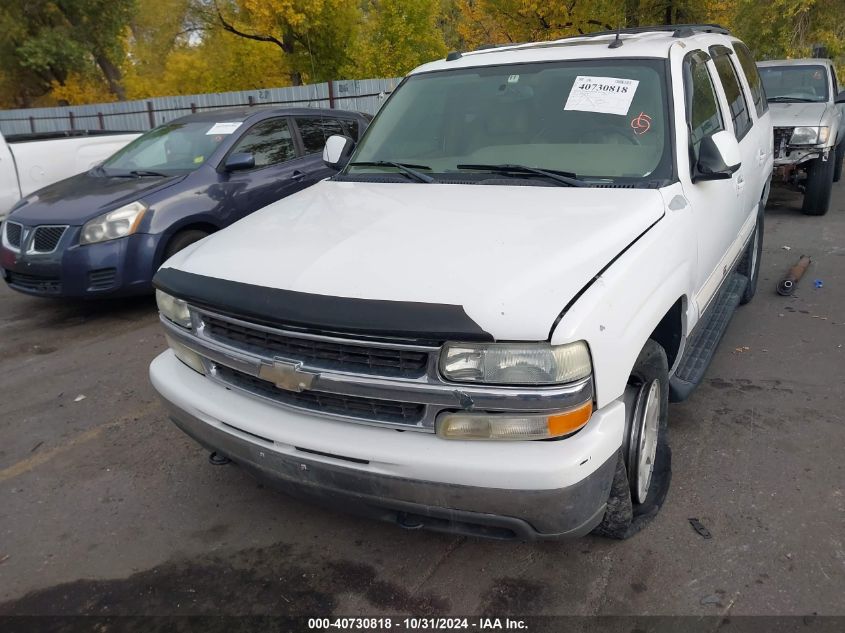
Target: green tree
{"x": 397, "y": 36}
{"x": 314, "y": 38}
{"x": 56, "y": 38}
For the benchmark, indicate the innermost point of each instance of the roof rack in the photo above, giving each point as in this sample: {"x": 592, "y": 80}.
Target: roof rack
{"x": 677, "y": 30}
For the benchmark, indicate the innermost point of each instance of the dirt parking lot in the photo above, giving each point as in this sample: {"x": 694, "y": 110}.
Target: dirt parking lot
{"x": 107, "y": 509}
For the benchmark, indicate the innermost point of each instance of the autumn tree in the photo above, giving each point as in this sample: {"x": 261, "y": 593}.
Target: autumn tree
{"x": 485, "y": 22}
{"x": 397, "y": 36}
{"x": 314, "y": 38}
{"x": 54, "y": 39}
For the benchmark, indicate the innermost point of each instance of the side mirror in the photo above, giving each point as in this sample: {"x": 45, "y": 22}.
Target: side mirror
{"x": 239, "y": 162}
{"x": 718, "y": 157}
{"x": 840, "y": 98}
{"x": 337, "y": 151}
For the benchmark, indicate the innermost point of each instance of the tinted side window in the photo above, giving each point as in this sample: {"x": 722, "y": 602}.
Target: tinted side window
{"x": 314, "y": 132}
{"x": 736, "y": 98}
{"x": 758, "y": 93}
{"x": 835, "y": 82}
{"x": 703, "y": 115}
{"x": 269, "y": 141}
{"x": 353, "y": 129}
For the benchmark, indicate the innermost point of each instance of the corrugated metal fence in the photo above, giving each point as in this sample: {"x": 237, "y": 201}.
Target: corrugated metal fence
{"x": 363, "y": 95}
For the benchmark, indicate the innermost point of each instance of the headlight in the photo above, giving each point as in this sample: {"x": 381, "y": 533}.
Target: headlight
{"x": 114, "y": 224}
{"x": 515, "y": 363}
{"x": 512, "y": 426}
{"x": 810, "y": 136}
{"x": 174, "y": 309}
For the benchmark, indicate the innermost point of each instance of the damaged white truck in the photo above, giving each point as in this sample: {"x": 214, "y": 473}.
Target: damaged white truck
{"x": 477, "y": 325}
{"x": 807, "y": 111}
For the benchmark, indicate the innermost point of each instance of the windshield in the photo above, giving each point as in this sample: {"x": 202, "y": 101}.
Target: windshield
{"x": 795, "y": 83}
{"x": 597, "y": 119}
{"x": 170, "y": 149}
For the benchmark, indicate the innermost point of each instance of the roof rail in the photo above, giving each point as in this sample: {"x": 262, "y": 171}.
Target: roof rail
{"x": 677, "y": 30}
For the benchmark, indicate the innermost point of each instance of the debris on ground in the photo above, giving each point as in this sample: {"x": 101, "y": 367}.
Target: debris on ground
{"x": 787, "y": 248}
{"x": 79, "y": 398}
{"x": 818, "y": 283}
{"x": 698, "y": 526}
{"x": 793, "y": 276}
{"x": 712, "y": 599}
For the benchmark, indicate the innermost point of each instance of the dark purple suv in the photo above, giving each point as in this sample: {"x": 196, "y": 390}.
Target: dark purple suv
{"x": 106, "y": 231}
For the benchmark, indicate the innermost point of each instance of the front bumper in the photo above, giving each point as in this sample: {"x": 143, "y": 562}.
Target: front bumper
{"x": 525, "y": 490}
{"x": 118, "y": 267}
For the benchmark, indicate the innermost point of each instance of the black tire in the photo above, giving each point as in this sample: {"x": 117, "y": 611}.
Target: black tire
{"x": 840, "y": 155}
{"x": 750, "y": 264}
{"x": 624, "y": 516}
{"x": 819, "y": 186}
{"x": 181, "y": 240}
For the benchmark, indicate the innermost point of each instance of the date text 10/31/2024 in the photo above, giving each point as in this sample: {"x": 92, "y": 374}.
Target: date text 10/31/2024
{"x": 415, "y": 624}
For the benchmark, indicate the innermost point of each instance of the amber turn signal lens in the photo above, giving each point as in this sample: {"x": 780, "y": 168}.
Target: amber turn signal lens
{"x": 570, "y": 421}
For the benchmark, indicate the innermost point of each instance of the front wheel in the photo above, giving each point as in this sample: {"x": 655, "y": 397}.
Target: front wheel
{"x": 644, "y": 467}
{"x": 181, "y": 240}
{"x": 839, "y": 156}
{"x": 819, "y": 185}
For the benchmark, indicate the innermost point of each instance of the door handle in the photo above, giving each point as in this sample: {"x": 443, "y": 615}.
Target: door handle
{"x": 761, "y": 156}
{"x": 297, "y": 175}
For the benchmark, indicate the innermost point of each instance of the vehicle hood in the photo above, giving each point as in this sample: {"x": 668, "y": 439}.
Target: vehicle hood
{"x": 797, "y": 114}
{"x": 511, "y": 256}
{"x": 79, "y": 198}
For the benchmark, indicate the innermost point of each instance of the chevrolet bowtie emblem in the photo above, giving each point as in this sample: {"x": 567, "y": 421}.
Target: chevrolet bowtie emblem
{"x": 287, "y": 375}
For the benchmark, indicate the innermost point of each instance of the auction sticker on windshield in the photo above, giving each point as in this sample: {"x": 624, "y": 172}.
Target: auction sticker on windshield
{"x": 608, "y": 95}
{"x": 226, "y": 127}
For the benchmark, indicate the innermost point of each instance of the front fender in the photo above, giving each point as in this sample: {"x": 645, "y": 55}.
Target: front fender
{"x": 618, "y": 313}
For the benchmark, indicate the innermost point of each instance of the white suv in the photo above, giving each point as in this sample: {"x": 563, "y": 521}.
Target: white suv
{"x": 478, "y": 324}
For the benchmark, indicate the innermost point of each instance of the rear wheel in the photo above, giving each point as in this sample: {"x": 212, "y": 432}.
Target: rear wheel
{"x": 181, "y": 240}
{"x": 644, "y": 466}
{"x": 819, "y": 185}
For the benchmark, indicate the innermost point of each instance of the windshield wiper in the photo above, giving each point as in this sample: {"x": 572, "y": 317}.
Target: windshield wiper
{"x": 791, "y": 100}
{"x": 408, "y": 169}
{"x": 563, "y": 177}
{"x": 135, "y": 173}
{"x": 138, "y": 173}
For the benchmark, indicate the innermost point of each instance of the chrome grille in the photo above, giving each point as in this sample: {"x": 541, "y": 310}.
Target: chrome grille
{"x": 246, "y": 363}
{"x": 369, "y": 409}
{"x": 13, "y": 234}
{"x": 318, "y": 353}
{"x": 46, "y": 238}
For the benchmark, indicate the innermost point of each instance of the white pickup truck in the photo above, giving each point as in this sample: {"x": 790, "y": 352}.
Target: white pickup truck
{"x": 809, "y": 133}
{"x": 31, "y": 162}
{"x": 478, "y": 324}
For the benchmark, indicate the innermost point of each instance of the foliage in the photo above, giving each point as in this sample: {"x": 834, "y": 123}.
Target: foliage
{"x": 398, "y": 36}
{"x": 485, "y": 22}
{"x": 82, "y": 51}
{"x": 48, "y": 41}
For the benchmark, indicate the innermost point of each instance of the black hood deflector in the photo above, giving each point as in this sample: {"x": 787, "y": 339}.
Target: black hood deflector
{"x": 372, "y": 318}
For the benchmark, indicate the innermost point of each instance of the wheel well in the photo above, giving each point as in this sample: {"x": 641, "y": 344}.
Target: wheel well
{"x": 195, "y": 226}
{"x": 670, "y": 331}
